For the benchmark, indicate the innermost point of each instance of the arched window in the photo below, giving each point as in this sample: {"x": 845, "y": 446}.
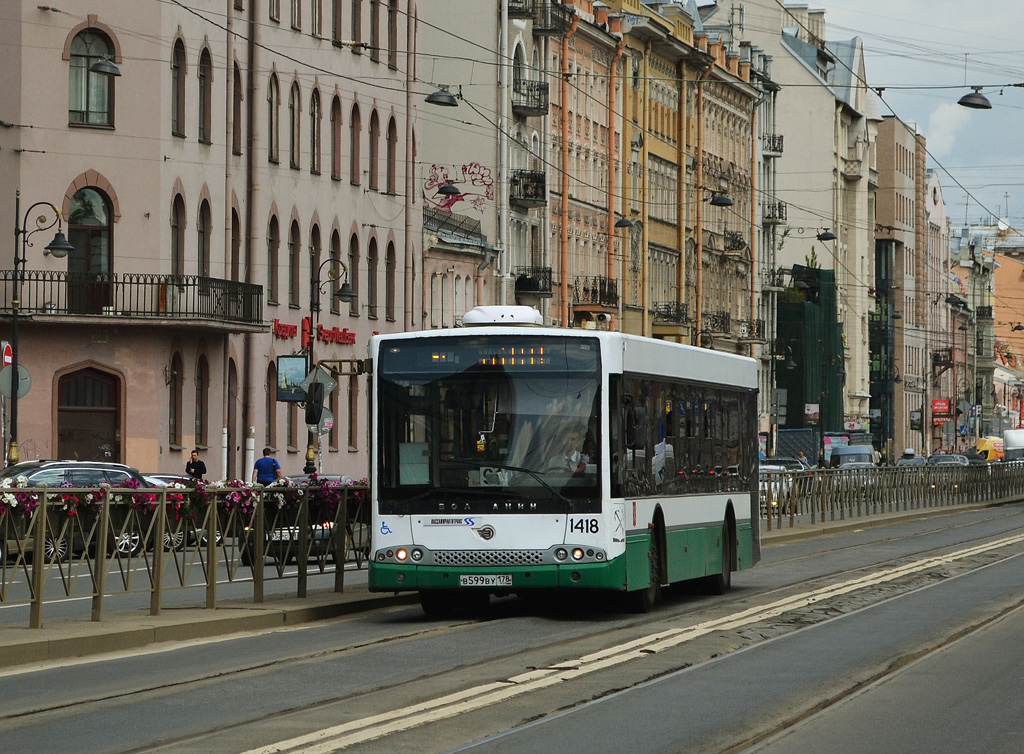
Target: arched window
{"x": 273, "y": 118}
{"x": 389, "y": 283}
{"x": 90, "y": 95}
{"x": 392, "y": 158}
{"x": 295, "y": 124}
{"x": 336, "y": 271}
{"x": 236, "y": 113}
{"x": 89, "y": 416}
{"x": 178, "y": 236}
{"x": 270, "y": 408}
{"x": 371, "y": 279}
{"x": 374, "y": 153}
{"x": 205, "y": 97}
{"x": 178, "y": 70}
{"x": 202, "y": 402}
{"x": 204, "y": 226}
{"x": 294, "y": 249}
{"x": 336, "y": 139}
{"x": 90, "y": 231}
{"x": 354, "y": 136}
{"x": 273, "y": 251}
{"x": 315, "y": 249}
{"x": 174, "y": 385}
{"x": 314, "y": 132}
{"x": 353, "y": 274}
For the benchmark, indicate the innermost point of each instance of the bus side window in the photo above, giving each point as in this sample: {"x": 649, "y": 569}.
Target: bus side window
{"x": 629, "y": 421}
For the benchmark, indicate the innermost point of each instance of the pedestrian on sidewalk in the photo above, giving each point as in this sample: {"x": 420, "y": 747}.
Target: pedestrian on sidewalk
{"x": 195, "y": 468}
{"x": 266, "y": 469}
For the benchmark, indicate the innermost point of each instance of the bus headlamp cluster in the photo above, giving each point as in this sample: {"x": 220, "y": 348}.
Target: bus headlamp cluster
{"x": 401, "y": 554}
{"x": 578, "y": 554}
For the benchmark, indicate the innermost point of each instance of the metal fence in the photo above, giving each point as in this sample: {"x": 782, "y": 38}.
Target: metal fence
{"x": 789, "y": 497}
{"x": 70, "y": 543}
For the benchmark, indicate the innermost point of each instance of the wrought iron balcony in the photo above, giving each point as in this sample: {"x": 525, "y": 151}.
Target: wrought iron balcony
{"x": 733, "y": 240}
{"x": 595, "y": 290}
{"x": 772, "y": 145}
{"x": 717, "y": 322}
{"x": 520, "y": 8}
{"x": 533, "y": 281}
{"x": 773, "y": 213}
{"x": 673, "y": 312}
{"x": 529, "y": 98}
{"x": 751, "y": 330}
{"x": 552, "y": 18}
{"x": 188, "y": 298}
{"x": 985, "y": 312}
{"x": 943, "y": 357}
{"x": 528, "y": 189}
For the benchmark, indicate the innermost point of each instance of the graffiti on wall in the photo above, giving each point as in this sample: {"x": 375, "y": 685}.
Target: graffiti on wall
{"x": 473, "y": 180}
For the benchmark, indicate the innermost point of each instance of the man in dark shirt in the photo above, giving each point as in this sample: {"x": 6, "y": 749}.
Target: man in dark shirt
{"x": 195, "y": 468}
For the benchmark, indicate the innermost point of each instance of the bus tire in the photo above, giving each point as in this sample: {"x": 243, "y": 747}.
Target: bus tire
{"x": 721, "y": 582}
{"x": 644, "y": 600}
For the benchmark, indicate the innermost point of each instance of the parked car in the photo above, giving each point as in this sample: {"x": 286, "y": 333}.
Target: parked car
{"x": 851, "y": 456}
{"x": 947, "y": 459}
{"x": 914, "y": 461}
{"x": 83, "y": 474}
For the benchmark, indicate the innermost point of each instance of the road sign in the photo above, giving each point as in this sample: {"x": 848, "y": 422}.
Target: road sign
{"x": 326, "y": 423}
{"x": 8, "y": 353}
{"x": 24, "y": 381}
{"x": 319, "y": 374}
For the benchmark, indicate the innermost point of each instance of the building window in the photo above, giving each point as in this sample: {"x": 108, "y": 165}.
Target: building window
{"x": 336, "y": 139}
{"x": 294, "y": 124}
{"x": 353, "y": 275}
{"x": 205, "y": 97}
{"x": 273, "y": 250}
{"x": 270, "y": 408}
{"x": 392, "y": 158}
{"x": 90, "y": 95}
{"x": 294, "y": 247}
{"x": 296, "y": 14}
{"x": 316, "y": 18}
{"x": 393, "y": 34}
{"x": 178, "y": 236}
{"x": 336, "y": 34}
{"x": 293, "y": 425}
{"x": 371, "y": 279}
{"x": 357, "y": 23}
{"x": 354, "y": 135}
{"x": 203, "y": 227}
{"x": 90, "y": 231}
{"x": 315, "y": 249}
{"x": 178, "y": 69}
{"x": 202, "y": 401}
{"x": 174, "y": 390}
{"x": 275, "y": 10}
{"x": 236, "y": 113}
{"x": 273, "y": 118}
{"x": 335, "y": 271}
{"x": 374, "y": 153}
{"x": 332, "y": 433}
{"x": 353, "y": 413}
{"x": 389, "y": 283}
{"x": 314, "y": 132}
{"x": 375, "y": 30}
{"x": 236, "y": 245}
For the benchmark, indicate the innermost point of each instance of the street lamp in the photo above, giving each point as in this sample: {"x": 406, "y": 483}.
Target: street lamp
{"x": 49, "y": 216}
{"x": 314, "y": 397}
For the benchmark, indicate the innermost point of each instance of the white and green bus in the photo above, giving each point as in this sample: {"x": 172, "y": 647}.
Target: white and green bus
{"x": 510, "y": 457}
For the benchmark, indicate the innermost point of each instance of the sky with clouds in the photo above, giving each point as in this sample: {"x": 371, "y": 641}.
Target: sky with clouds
{"x": 927, "y": 54}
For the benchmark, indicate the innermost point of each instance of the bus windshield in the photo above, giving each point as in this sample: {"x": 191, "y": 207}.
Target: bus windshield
{"x": 490, "y": 423}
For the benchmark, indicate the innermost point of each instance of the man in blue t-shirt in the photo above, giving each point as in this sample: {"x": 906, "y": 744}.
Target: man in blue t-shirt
{"x": 266, "y": 469}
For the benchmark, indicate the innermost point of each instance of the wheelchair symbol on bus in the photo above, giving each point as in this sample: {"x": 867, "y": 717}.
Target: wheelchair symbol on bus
{"x": 384, "y": 528}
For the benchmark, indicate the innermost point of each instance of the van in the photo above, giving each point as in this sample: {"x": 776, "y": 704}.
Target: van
{"x": 845, "y": 456}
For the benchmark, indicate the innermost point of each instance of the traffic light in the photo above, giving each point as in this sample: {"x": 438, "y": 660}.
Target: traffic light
{"x": 314, "y": 402}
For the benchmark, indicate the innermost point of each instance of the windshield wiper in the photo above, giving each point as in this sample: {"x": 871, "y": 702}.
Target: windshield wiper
{"x": 531, "y": 472}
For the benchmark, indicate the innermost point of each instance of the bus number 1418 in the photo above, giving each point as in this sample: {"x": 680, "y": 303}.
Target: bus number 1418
{"x": 584, "y": 525}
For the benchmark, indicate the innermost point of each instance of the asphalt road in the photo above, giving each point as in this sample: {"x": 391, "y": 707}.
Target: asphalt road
{"x": 821, "y": 628}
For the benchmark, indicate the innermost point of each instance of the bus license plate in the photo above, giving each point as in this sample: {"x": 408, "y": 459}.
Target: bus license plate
{"x": 500, "y": 579}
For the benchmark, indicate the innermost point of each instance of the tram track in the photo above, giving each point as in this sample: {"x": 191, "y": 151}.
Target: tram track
{"x": 777, "y": 611}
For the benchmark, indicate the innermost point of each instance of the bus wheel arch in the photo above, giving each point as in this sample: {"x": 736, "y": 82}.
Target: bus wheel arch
{"x": 643, "y": 600}
{"x": 721, "y": 582}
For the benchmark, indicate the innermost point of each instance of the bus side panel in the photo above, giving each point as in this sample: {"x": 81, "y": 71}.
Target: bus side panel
{"x": 638, "y": 563}
{"x": 690, "y": 551}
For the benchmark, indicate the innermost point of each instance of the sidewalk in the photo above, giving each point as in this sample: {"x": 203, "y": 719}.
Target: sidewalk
{"x": 63, "y": 639}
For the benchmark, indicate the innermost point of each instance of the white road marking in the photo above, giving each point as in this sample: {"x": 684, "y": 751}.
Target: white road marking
{"x": 338, "y": 737}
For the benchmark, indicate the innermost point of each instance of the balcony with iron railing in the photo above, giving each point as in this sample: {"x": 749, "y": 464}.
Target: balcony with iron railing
{"x": 528, "y": 188}
{"x": 718, "y": 322}
{"x": 551, "y": 19}
{"x": 771, "y": 145}
{"x": 529, "y": 98}
{"x": 672, "y": 312}
{"x": 598, "y": 290}
{"x": 774, "y": 213}
{"x": 202, "y": 301}
{"x": 533, "y": 281}
{"x": 985, "y": 312}
{"x": 520, "y": 8}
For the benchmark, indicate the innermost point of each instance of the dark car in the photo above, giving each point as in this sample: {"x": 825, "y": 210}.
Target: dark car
{"x": 78, "y": 474}
{"x": 947, "y": 459}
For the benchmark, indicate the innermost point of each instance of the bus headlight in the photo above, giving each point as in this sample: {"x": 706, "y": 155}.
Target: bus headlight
{"x": 561, "y": 554}
{"x": 577, "y": 553}
{"x": 417, "y": 554}
{"x": 401, "y": 554}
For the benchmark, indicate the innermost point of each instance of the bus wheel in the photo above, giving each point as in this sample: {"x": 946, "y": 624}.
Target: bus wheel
{"x": 720, "y": 583}
{"x": 644, "y": 600}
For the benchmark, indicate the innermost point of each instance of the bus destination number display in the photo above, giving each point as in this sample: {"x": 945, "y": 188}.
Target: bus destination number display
{"x": 584, "y": 525}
